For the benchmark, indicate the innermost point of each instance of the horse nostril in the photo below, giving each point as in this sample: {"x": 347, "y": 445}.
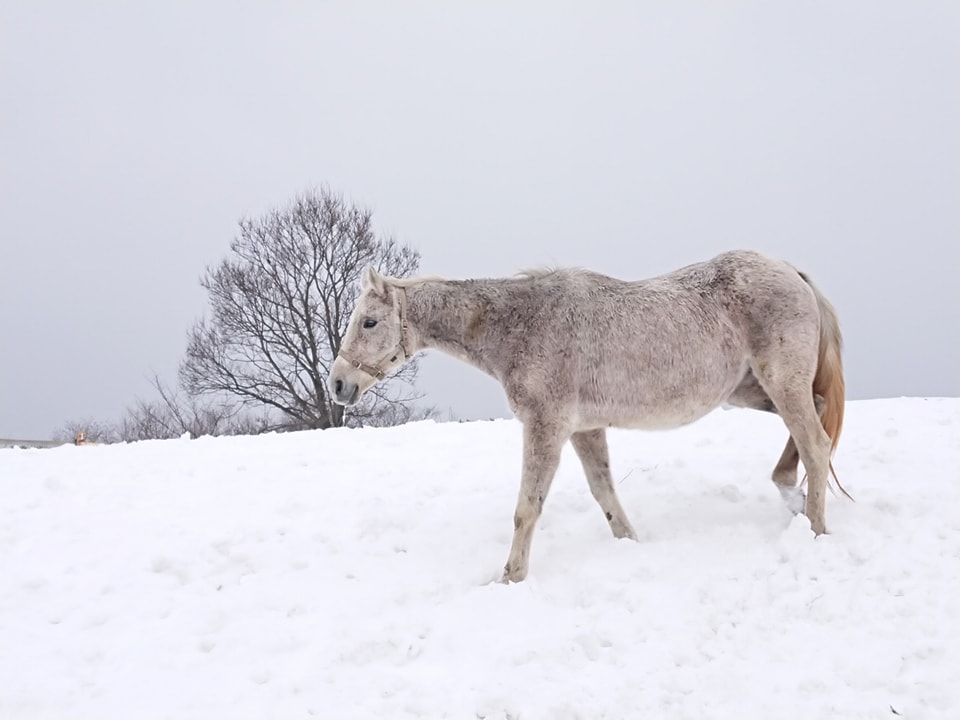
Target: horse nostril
{"x": 338, "y": 386}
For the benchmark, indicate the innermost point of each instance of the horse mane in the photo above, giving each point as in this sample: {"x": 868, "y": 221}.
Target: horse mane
{"x": 534, "y": 273}
{"x": 543, "y": 271}
{"x": 406, "y": 282}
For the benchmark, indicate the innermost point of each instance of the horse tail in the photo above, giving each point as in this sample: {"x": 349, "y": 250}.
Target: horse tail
{"x": 828, "y": 382}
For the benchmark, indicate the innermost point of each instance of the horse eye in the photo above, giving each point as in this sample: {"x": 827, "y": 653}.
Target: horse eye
{"x": 369, "y": 323}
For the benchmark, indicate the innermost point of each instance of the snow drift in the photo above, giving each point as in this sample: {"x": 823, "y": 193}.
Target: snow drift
{"x": 348, "y": 573}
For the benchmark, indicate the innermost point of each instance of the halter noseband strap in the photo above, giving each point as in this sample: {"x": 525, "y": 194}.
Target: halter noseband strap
{"x": 375, "y": 370}
{"x": 368, "y": 369}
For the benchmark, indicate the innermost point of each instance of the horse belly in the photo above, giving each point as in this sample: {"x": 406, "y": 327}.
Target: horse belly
{"x": 652, "y": 402}
{"x": 663, "y": 418}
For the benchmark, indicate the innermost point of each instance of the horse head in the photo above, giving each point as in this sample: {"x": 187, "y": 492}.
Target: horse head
{"x": 375, "y": 343}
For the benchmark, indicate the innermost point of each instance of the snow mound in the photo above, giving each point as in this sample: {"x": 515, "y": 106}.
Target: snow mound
{"x": 347, "y": 574}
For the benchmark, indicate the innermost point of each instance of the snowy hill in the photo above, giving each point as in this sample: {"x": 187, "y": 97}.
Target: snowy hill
{"x": 346, "y": 574}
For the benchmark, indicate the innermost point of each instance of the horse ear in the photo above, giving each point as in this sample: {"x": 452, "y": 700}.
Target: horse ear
{"x": 372, "y": 280}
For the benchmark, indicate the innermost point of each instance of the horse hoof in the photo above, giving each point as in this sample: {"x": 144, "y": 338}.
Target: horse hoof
{"x": 795, "y": 498}
{"x": 512, "y": 576}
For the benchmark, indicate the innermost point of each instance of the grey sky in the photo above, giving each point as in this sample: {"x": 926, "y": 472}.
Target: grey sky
{"x": 629, "y": 138}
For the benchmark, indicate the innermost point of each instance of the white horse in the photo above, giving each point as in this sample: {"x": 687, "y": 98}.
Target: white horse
{"x": 578, "y": 352}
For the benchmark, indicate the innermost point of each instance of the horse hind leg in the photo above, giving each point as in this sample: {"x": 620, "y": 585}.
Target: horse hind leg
{"x": 785, "y": 472}
{"x": 750, "y": 394}
{"x": 591, "y": 448}
{"x": 785, "y": 478}
{"x": 793, "y": 398}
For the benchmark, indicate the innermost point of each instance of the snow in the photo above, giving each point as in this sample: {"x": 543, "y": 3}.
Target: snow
{"x": 348, "y": 573}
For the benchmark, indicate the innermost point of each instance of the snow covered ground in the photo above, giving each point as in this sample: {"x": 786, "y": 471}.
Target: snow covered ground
{"x": 346, "y": 574}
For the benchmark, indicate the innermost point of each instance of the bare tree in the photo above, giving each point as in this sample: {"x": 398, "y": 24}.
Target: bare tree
{"x": 94, "y": 431}
{"x": 279, "y": 306}
{"x": 171, "y": 415}
{"x": 174, "y": 414}
{"x": 390, "y": 414}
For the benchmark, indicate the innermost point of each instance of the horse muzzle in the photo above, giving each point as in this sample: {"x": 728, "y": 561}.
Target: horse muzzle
{"x": 344, "y": 393}
{"x": 346, "y": 384}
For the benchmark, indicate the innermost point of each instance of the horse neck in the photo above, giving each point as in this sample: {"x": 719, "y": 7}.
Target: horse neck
{"x": 448, "y": 315}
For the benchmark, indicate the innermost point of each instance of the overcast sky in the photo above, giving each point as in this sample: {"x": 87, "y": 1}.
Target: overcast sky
{"x": 631, "y": 138}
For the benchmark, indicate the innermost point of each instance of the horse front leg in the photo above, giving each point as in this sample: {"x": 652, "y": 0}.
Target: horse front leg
{"x": 541, "y": 456}
{"x": 591, "y": 448}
